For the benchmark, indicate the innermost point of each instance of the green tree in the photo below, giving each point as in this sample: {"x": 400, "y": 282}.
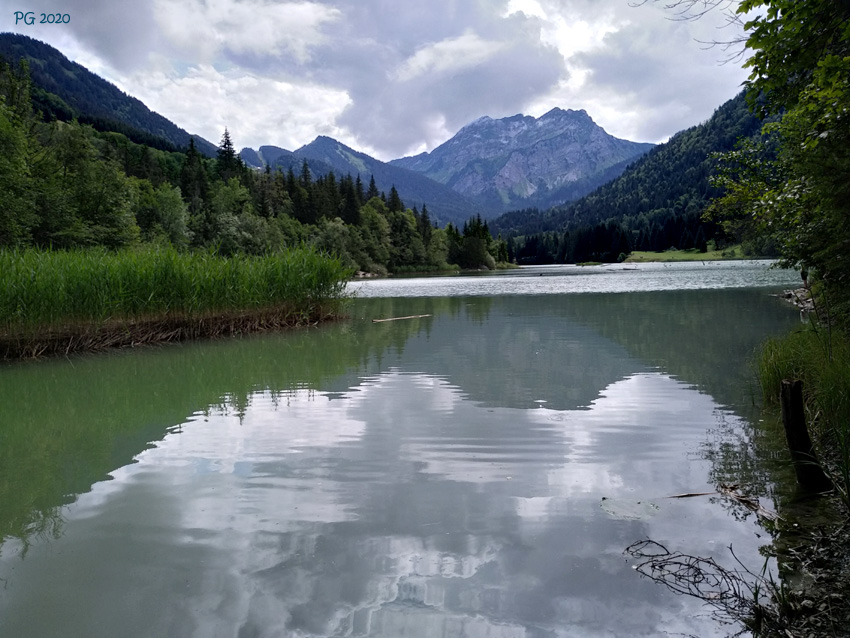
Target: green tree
{"x": 194, "y": 183}
{"x": 160, "y": 213}
{"x": 800, "y": 75}
{"x": 394, "y": 202}
{"x": 83, "y": 199}
{"x": 406, "y": 248}
{"x": 373, "y": 189}
{"x": 229, "y": 201}
{"x": 228, "y": 163}
{"x": 17, "y": 214}
{"x": 375, "y": 231}
{"x": 349, "y": 207}
{"x": 425, "y": 228}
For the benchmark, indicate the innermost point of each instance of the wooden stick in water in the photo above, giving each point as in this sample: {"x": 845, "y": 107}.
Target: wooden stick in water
{"x": 399, "y": 318}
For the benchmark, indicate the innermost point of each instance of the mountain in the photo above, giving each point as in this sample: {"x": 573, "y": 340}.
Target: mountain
{"x": 522, "y": 161}
{"x": 67, "y": 90}
{"x": 671, "y": 180}
{"x": 325, "y": 154}
{"x": 267, "y": 155}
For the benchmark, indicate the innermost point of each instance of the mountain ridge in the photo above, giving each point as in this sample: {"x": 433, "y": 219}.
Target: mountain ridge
{"x": 65, "y": 90}
{"x": 522, "y": 161}
{"x": 672, "y": 179}
{"x": 325, "y": 153}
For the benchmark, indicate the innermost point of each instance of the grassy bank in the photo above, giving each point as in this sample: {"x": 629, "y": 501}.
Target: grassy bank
{"x": 58, "y": 301}
{"x": 692, "y": 254}
{"x": 822, "y": 361}
{"x": 818, "y": 561}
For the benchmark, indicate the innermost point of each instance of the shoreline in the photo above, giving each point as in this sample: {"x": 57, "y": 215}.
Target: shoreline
{"x": 732, "y": 253}
{"x": 132, "y": 333}
{"x": 811, "y": 543}
{"x": 59, "y": 302}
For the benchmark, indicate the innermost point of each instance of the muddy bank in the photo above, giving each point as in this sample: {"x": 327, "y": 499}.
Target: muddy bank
{"x": 94, "y": 337}
{"x": 813, "y": 551}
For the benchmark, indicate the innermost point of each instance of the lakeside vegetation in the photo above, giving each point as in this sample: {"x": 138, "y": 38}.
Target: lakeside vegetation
{"x": 105, "y": 241}
{"x": 792, "y": 186}
{"x": 692, "y": 254}
{"x": 822, "y": 361}
{"x": 789, "y": 186}
{"x": 58, "y": 301}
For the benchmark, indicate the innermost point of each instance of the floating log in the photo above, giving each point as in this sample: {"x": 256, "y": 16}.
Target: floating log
{"x": 810, "y": 474}
{"x": 399, "y": 318}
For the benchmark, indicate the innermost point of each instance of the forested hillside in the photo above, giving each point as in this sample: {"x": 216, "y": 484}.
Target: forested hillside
{"x": 67, "y": 185}
{"x": 446, "y": 205}
{"x": 64, "y": 90}
{"x": 325, "y": 155}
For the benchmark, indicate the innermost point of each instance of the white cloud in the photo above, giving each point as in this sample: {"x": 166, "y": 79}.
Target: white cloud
{"x": 257, "y": 27}
{"x": 256, "y": 110}
{"x": 639, "y": 74}
{"x": 396, "y": 78}
{"x": 464, "y": 52}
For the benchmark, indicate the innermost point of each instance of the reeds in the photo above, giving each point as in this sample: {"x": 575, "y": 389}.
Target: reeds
{"x": 822, "y": 362}
{"x": 93, "y": 296}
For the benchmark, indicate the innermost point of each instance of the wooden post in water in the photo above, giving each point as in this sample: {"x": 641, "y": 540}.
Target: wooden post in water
{"x": 810, "y": 474}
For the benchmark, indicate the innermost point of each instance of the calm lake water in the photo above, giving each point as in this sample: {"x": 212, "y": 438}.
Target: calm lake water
{"x": 476, "y": 473}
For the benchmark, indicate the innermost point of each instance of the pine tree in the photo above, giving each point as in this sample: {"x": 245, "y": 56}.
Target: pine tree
{"x": 394, "y": 203}
{"x": 306, "y": 177}
{"x": 194, "y": 183}
{"x": 349, "y": 208}
{"x": 358, "y": 191}
{"x": 425, "y": 228}
{"x": 228, "y": 163}
{"x": 373, "y": 190}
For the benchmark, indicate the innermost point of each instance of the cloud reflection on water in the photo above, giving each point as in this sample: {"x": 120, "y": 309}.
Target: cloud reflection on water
{"x": 398, "y": 508}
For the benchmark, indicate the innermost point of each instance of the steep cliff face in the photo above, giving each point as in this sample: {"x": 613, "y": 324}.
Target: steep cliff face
{"x": 522, "y": 161}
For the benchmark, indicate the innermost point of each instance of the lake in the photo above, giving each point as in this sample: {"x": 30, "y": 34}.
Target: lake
{"x": 474, "y": 473}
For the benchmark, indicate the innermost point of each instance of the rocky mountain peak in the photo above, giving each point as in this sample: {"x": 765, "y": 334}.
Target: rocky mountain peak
{"x": 522, "y": 161}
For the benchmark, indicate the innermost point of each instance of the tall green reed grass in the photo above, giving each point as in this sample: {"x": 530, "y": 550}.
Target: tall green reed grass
{"x": 822, "y": 362}
{"x": 42, "y": 289}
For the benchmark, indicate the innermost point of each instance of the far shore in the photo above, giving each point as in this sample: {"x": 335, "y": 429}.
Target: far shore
{"x": 692, "y": 254}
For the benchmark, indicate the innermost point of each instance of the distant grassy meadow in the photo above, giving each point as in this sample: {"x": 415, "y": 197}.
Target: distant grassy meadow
{"x": 692, "y": 254}
{"x": 61, "y": 301}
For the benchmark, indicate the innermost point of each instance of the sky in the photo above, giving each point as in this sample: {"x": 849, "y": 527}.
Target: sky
{"x": 395, "y": 77}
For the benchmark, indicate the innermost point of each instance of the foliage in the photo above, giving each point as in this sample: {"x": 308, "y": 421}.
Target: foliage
{"x": 822, "y": 361}
{"x": 474, "y": 247}
{"x": 66, "y": 185}
{"x": 17, "y": 215}
{"x": 160, "y": 213}
{"x": 45, "y": 289}
{"x": 800, "y": 194}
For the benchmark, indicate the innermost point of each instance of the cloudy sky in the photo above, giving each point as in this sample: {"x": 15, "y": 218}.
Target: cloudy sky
{"x": 395, "y": 77}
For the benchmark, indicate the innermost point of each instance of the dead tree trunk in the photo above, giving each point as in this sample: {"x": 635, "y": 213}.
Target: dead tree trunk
{"x": 810, "y": 474}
